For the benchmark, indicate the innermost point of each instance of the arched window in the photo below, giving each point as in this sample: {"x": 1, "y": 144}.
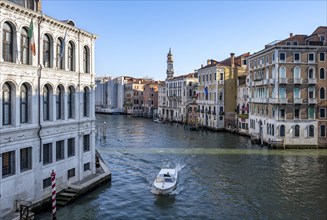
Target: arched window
{"x": 60, "y": 54}
{"x": 46, "y": 51}
{"x": 46, "y": 103}
{"x": 311, "y": 73}
{"x": 322, "y": 93}
{"x": 86, "y": 60}
{"x": 322, "y": 73}
{"x": 311, "y": 91}
{"x": 71, "y": 56}
{"x": 311, "y": 131}
{"x": 24, "y": 47}
{"x": 282, "y": 72}
{"x": 282, "y": 131}
{"x": 70, "y": 102}
{"x": 6, "y": 104}
{"x": 297, "y": 131}
{"x": 297, "y": 73}
{"x": 272, "y": 130}
{"x": 273, "y": 72}
{"x": 59, "y": 103}
{"x": 86, "y": 102}
{"x": 30, "y": 4}
{"x": 7, "y": 43}
{"x": 24, "y": 103}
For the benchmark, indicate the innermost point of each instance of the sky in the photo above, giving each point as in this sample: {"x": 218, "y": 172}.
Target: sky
{"x": 134, "y": 37}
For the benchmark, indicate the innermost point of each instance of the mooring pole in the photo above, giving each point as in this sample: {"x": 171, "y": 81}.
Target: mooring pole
{"x": 53, "y": 185}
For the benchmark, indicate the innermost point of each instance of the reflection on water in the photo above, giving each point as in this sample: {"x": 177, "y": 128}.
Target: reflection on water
{"x": 222, "y": 176}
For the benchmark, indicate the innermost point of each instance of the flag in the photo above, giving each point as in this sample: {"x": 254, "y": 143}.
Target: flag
{"x": 31, "y": 37}
{"x": 206, "y": 90}
{"x": 62, "y": 49}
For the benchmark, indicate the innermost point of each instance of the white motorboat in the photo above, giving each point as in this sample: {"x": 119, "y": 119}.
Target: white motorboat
{"x": 166, "y": 181}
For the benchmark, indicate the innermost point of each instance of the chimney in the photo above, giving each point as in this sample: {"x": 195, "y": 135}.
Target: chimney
{"x": 201, "y": 65}
{"x": 291, "y": 34}
{"x": 208, "y": 62}
{"x": 232, "y": 59}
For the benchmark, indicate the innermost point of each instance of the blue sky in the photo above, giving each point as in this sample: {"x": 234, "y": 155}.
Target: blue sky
{"x": 134, "y": 37}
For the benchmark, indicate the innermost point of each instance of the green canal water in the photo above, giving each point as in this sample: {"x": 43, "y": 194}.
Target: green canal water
{"x": 221, "y": 176}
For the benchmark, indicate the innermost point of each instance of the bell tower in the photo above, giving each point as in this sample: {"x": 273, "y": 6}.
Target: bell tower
{"x": 170, "y": 65}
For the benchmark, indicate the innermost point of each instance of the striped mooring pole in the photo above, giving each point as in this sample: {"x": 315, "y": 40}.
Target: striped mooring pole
{"x": 53, "y": 185}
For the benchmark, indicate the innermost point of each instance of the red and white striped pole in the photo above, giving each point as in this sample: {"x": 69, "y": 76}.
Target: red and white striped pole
{"x": 53, "y": 185}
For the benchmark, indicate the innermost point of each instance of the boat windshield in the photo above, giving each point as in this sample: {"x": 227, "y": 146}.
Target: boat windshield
{"x": 168, "y": 180}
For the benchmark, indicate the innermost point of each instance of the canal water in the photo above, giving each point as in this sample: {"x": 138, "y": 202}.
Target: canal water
{"x": 221, "y": 176}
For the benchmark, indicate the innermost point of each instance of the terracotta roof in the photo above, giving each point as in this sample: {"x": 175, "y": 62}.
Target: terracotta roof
{"x": 319, "y": 30}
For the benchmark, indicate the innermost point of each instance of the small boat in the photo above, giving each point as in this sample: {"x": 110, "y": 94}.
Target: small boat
{"x": 158, "y": 120}
{"x": 166, "y": 181}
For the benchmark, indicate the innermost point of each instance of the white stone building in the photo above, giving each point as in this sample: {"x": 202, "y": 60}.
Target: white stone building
{"x": 109, "y": 94}
{"x": 47, "y": 103}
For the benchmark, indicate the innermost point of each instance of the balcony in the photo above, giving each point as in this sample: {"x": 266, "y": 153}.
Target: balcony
{"x": 297, "y": 100}
{"x": 258, "y": 83}
{"x": 221, "y": 82}
{"x": 282, "y": 80}
{"x": 312, "y": 81}
{"x": 282, "y": 100}
{"x": 265, "y": 81}
{"x": 312, "y": 101}
{"x": 297, "y": 81}
{"x": 271, "y": 81}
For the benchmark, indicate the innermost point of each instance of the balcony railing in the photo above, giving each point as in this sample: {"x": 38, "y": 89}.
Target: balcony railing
{"x": 282, "y": 80}
{"x": 297, "y": 100}
{"x": 282, "y": 100}
{"x": 312, "y": 81}
{"x": 297, "y": 81}
{"x": 312, "y": 101}
{"x": 278, "y": 100}
{"x": 271, "y": 81}
{"x": 265, "y": 81}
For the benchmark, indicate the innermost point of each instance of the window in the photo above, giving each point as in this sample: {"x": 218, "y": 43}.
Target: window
{"x": 311, "y": 74}
{"x": 24, "y": 47}
{"x": 296, "y": 57}
{"x": 59, "y": 103}
{"x": 71, "y": 173}
{"x": 282, "y": 57}
{"x": 297, "y": 92}
{"x": 86, "y": 102}
{"x": 47, "y": 153}
{"x": 8, "y": 164}
{"x": 322, "y": 73}
{"x": 46, "y": 182}
{"x": 86, "y": 143}
{"x": 87, "y": 167}
{"x": 322, "y": 93}
{"x": 71, "y": 56}
{"x": 60, "y": 150}
{"x": 70, "y": 100}
{"x": 71, "y": 147}
{"x": 297, "y": 131}
{"x": 7, "y": 43}
{"x": 288, "y": 43}
{"x": 295, "y": 43}
{"x": 6, "y": 104}
{"x": 311, "y": 113}
{"x": 296, "y": 113}
{"x": 46, "y": 103}
{"x": 322, "y": 113}
{"x": 311, "y": 57}
{"x": 282, "y": 131}
{"x": 273, "y": 57}
{"x": 282, "y": 113}
{"x": 297, "y": 73}
{"x": 282, "y": 72}
{"x": 24, "y": 103}
{"x": 322, "y": 130}
{"x": 25, "y": 159}
{"x": 322, "y": 57}
{"x": 282, "y": 92}
{"x": 311, "y": 131}
{"x": 86, "y": 60}
{"x": 60, "y": 53}
{"x": 46, "y": 51}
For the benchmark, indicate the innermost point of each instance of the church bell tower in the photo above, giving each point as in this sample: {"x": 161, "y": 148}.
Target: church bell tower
{"x": 170, "y": 65}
